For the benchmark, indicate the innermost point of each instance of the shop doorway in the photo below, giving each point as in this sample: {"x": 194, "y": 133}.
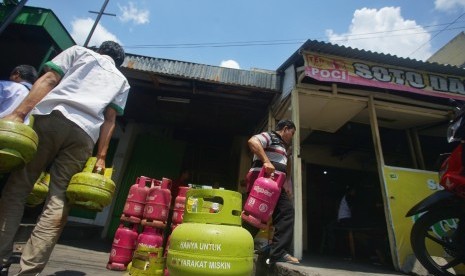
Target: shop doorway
{"x": 365, "y": 238}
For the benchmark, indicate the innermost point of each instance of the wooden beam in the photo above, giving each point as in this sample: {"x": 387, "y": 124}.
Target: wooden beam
{"x": 271, "y": 122}
{"x": 155, "y": 80}
{"x": 380, "y": 165}
{"x": 334, "y": 88}
{"x": 411, "y": 148}
{"x": 367, "y": 92}
{"x": 417, "y": 146}
{"x": 297, "y": 176}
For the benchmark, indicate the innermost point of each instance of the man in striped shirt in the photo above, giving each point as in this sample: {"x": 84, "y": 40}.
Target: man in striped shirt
{"x": 270, "y": 152}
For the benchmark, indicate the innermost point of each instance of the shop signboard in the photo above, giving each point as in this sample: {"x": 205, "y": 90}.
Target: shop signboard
{"x": 345, "y": 70}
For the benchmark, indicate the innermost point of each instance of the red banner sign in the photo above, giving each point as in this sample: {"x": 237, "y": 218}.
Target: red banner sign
{"x": 324, "y": 68}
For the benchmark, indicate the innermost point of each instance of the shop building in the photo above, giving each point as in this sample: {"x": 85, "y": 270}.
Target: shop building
{"x": 367, "y": 119}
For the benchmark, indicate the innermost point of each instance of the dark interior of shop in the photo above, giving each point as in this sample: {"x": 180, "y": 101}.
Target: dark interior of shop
{"x": 327, "y": 184}
{"x": 204, "y": 119}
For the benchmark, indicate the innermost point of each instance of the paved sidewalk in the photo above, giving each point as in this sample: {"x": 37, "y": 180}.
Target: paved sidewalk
{"x": 89, "y": 257}
{"x": 76, "y": 259}
{"x": 332, "y": 266}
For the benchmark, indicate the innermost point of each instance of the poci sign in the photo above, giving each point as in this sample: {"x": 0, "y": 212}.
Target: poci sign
{"x": 330, "y": 73}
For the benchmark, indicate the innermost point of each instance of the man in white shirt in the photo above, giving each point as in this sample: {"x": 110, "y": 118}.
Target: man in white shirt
{"x": 345, "y": 212}
{"x": 74, "y": 104}
{"x": 14, "y": 90}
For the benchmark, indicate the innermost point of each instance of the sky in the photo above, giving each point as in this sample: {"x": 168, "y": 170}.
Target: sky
{"x": 261, "y": 34}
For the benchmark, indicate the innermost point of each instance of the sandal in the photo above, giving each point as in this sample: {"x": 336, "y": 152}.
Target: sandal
{"x": 288, "y": 258}
{"x": 4, "y": 270}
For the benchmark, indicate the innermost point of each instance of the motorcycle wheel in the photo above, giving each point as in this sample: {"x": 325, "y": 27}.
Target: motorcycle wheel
{"x": 423, "y": 239}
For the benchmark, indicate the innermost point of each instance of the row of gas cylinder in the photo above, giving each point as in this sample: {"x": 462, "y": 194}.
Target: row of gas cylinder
{"x": 147, "y": 206}
{"x": 209, "y": 241}
{"x": 140, "y": 254}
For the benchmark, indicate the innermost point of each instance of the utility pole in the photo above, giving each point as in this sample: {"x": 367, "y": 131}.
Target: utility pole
{"x": 102, "y": 12}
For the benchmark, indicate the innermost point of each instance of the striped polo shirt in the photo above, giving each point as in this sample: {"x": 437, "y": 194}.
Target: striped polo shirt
{"x": 275, "y": 149}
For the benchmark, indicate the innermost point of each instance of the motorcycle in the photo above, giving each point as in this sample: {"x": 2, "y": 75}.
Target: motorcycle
{"x": 441, "y": 216}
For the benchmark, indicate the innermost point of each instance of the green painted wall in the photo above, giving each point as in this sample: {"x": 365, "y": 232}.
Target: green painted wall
{"x": 154, "y": 157}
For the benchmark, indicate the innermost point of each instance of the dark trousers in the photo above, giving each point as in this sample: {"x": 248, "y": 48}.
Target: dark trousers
{"x": 64, "y": 148}
{"x": 283, "y": 222}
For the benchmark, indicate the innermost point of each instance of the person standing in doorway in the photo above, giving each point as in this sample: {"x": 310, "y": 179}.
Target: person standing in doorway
{"x": 345, "y": 215}
{"x": 270, "y": 151}
{"x": 75, "y": 103}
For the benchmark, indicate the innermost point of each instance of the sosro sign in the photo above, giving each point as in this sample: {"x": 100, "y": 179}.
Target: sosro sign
{"x": 329, "y": 69}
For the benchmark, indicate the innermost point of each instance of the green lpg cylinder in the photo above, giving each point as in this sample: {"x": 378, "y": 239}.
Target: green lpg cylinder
{"x": 39, "y": 191}
{"x": 89, "y": 190}
{"x": 18, "y": 145}
{"x": 213, "y": 242}
{"x": 147, "y": 261}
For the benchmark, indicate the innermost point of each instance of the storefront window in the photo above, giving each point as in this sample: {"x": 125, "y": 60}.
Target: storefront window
{"x": 395, "y": 148}
{"x": 432, "y": 147}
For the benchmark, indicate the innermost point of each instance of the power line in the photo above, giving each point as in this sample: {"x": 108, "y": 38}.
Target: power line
{"x": 398, "y": 30}
{"x": 435, "y": 35}
{"x": 357, "y": 36}
{"x": 421, "y": 32}
{"x": 219, "y": 44}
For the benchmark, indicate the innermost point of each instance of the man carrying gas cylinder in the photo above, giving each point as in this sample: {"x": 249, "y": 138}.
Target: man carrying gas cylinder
{"x": 75, "y": 104}
{"x": 270, "y": 152}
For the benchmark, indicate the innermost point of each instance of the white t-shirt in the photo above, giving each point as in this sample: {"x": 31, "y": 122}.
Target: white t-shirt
{"x": 344, "y": 210}
{"x": 90, "y": 82}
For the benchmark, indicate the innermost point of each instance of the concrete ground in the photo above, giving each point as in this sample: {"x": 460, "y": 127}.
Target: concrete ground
{"x": 89, "y": 257}
{"x": 80, "y": 253}
{"x": 317, "y": 265}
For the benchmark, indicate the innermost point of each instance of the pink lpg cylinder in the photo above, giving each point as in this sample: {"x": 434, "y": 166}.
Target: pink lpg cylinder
{"x": 262, "y": 198}
{"x": 179, "y": 206}
{"x": 124, "y": 244}
{"x": 135, "y": 202}
{"x": 157, "y": 205}
{"x": 151, "y": 237}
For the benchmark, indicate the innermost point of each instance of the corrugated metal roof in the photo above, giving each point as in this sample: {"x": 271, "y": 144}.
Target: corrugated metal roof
{"x": 202, "y": 72}
{"x": 348, "y": 52}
